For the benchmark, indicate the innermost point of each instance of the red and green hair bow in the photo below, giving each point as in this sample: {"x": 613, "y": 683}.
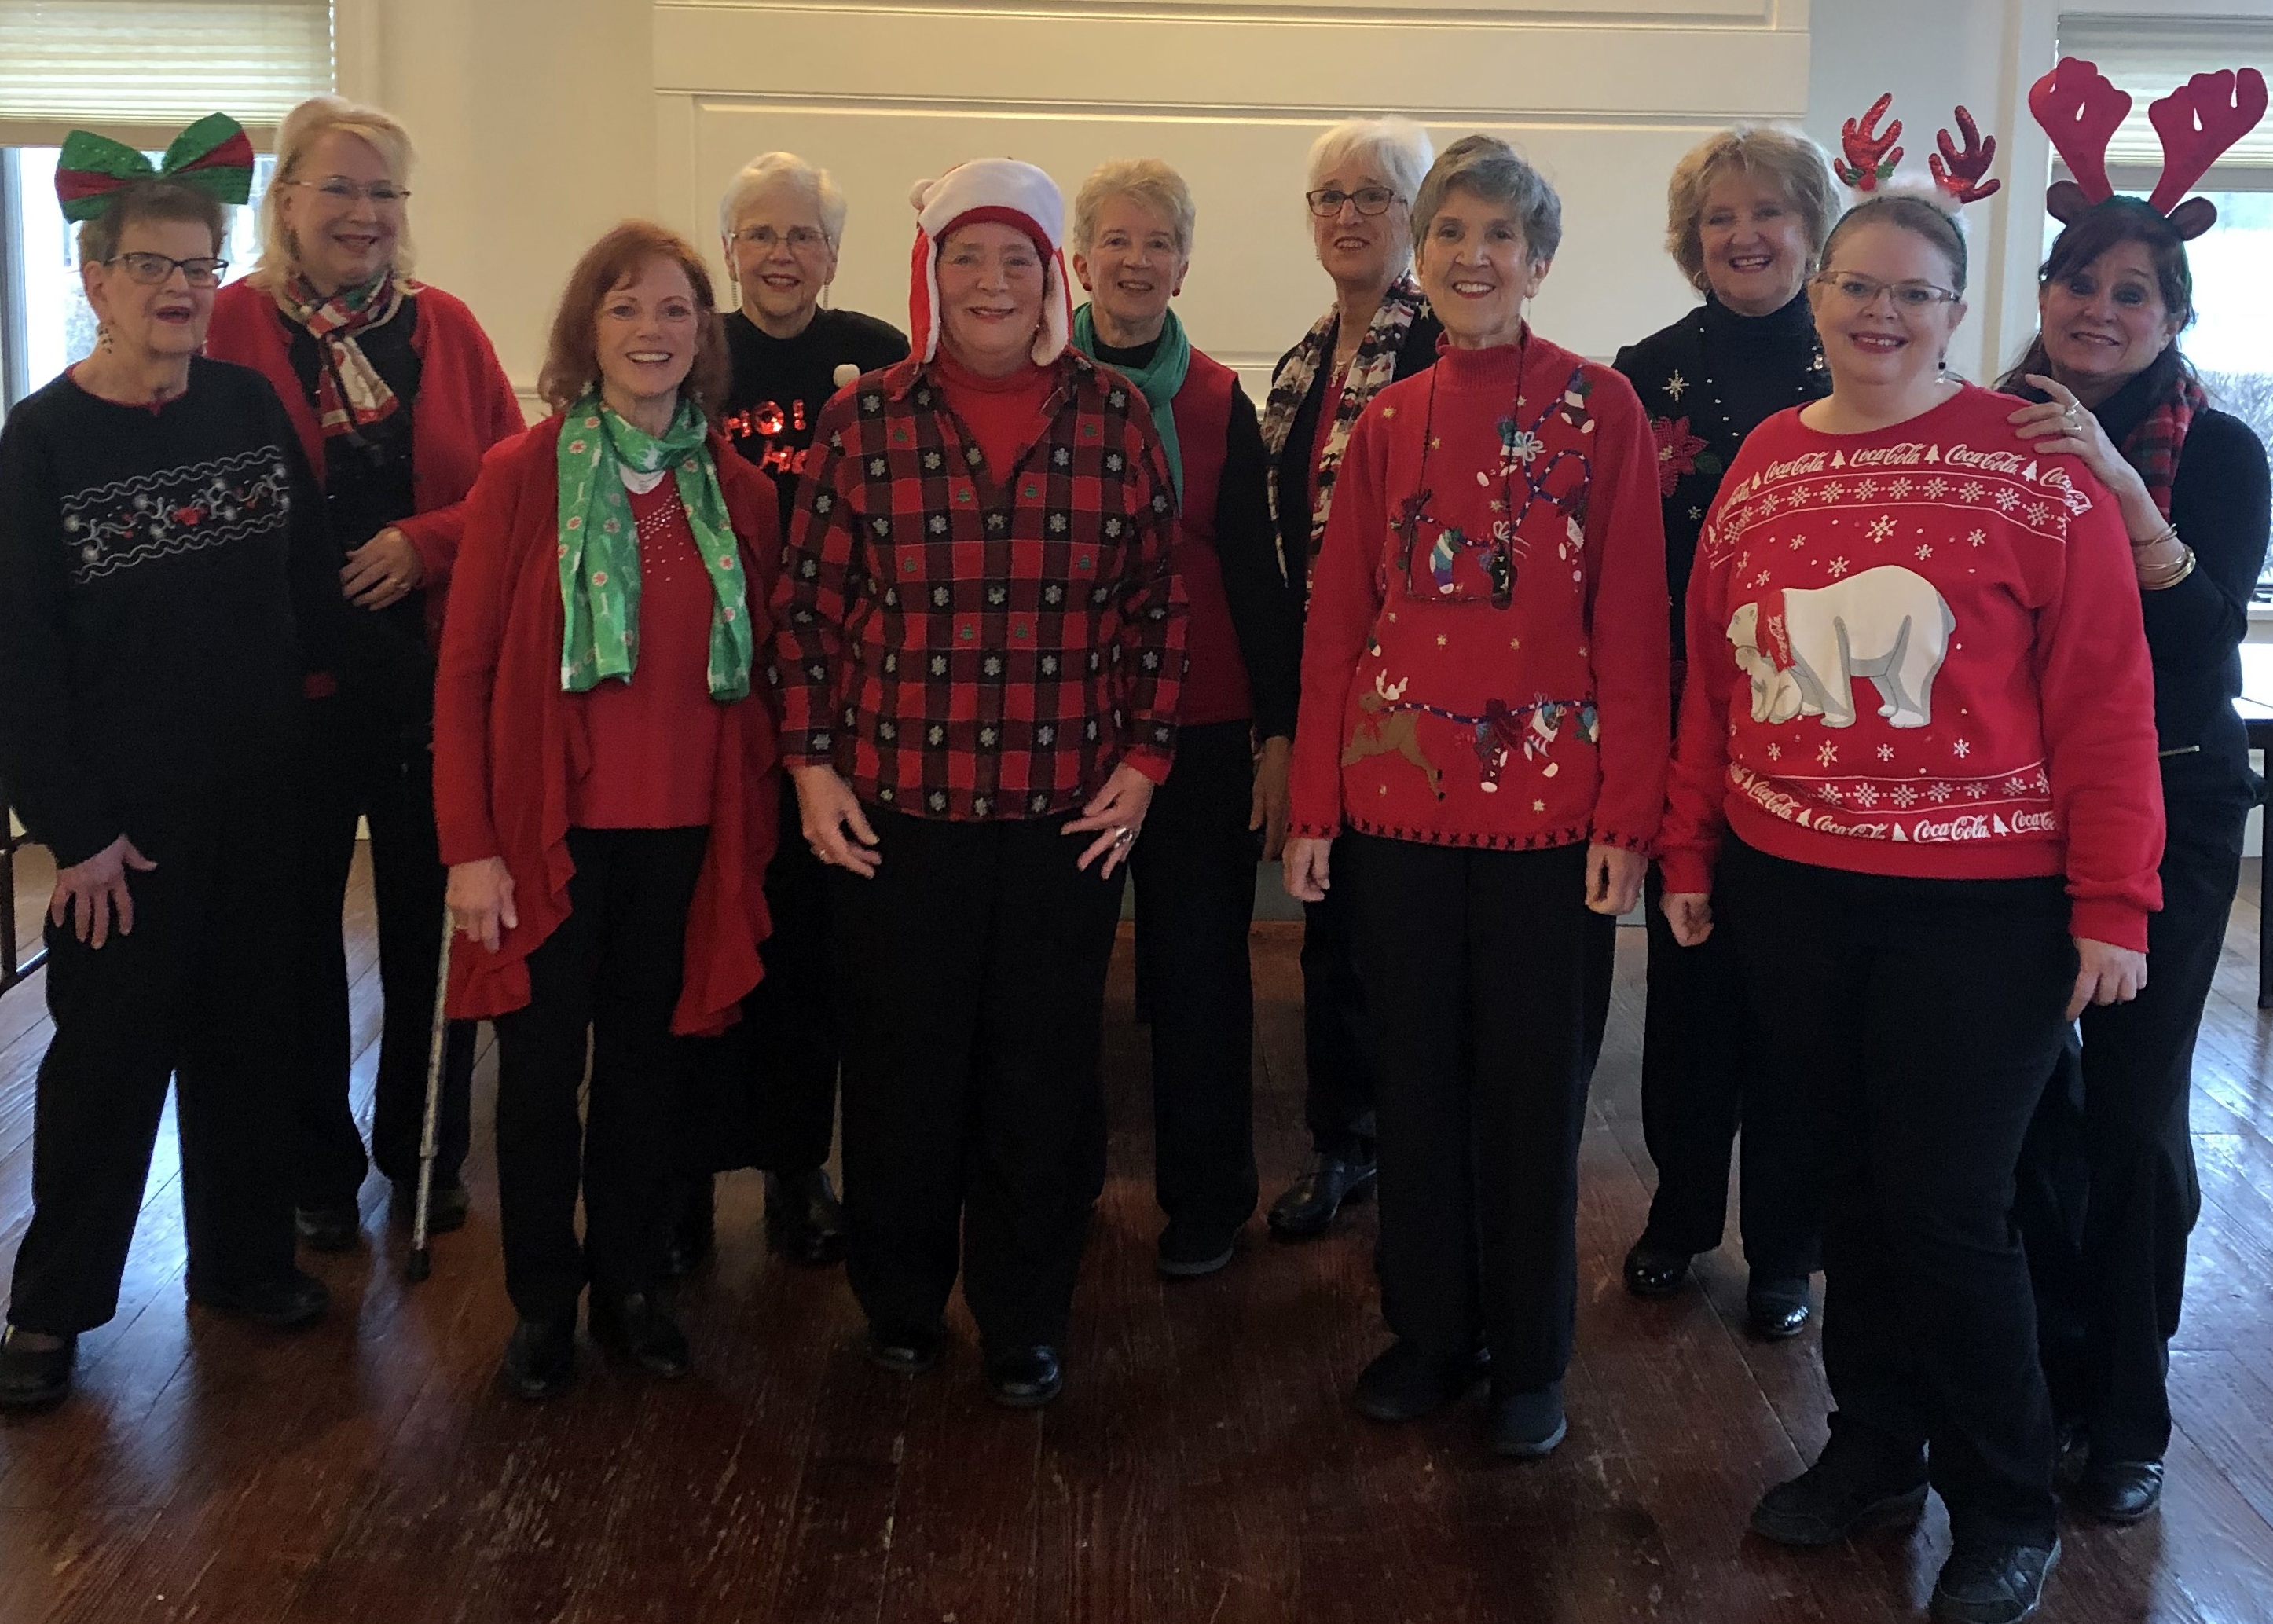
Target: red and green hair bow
{"x": 213, "y": 154}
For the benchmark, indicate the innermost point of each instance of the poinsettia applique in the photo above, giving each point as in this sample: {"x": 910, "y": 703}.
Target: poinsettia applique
{"x": 1677, "y": 451}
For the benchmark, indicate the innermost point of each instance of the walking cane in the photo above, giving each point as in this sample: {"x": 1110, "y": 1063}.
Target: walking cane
{"x": 421, "y": 1263}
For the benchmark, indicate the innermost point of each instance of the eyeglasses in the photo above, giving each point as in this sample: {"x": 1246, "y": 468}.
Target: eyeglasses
{"x": 1860, "y": 292}
{"x": 1369, "y": 200}
{"x": 152, "y": 269}
{"x": 765, "y": 239}
{"x": 340, "y": 189}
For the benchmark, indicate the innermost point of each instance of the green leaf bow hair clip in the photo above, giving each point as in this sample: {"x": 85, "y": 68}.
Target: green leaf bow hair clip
{"x": 213, "y": 154}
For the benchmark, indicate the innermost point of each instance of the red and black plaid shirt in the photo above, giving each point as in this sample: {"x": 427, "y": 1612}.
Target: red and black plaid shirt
{"x": 959, "y": 647}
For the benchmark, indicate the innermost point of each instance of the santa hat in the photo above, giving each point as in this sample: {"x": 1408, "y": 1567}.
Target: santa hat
{"x": 1008, "y": 192}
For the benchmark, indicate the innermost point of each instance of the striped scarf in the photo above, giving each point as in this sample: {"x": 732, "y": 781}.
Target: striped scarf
{"x": 350, "y": 395}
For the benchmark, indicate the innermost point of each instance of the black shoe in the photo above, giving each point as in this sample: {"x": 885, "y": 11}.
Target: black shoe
{"x": 540, "y": 1358}
{"x": 1525, "y": 1425}
{"x": 1776, "y": 1307}
{"x": 1405, "y": 1383}
{"x": 1187, "y": 1251}
{"x": 285, "y": 1302}
{"x": 1845, "y": 1491}
{"x": 804, "y": 1221}
{"x": 2118, "y": 1491}
{"x": 1653, "y": 1270}
{"x": 635, "y": 1323}
{"x": 1024, "y": 1378}
{"x": 905, "y": 1350}
{"x": 446, "y": 1205}
{"x": 33, "y": 1378}
{"x": 1310, "y": 1203}
{"x": 694, "y": 1236}
{"x": 334, "y": 1227}
{"x": 1992, "y": 1581}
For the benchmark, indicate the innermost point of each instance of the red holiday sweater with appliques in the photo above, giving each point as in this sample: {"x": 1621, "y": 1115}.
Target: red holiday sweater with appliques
{"x": 1486, "y": 658}
{"x": 1918, "y": 652}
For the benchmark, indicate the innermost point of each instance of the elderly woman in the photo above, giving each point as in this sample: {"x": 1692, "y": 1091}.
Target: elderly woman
{"x": 395, "y": 393}
{"x": 1132, "y": 240}
{"x": 982, "y": 646}
{"x": 159, "y": 535}
{"x": 1915, "y": 781}
{"x": 1363, "y": 174}
{"x": 604, "y": 781}
{"x": 773, "y": 1093}
{"x": 1746, "y": 214}
{"x": 2111, "y": 386}
{"x": 1480, "y": 768}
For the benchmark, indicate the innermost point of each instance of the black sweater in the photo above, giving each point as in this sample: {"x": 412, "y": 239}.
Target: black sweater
{"x": 152, "y": 561}
{"x": 779, "y": 385}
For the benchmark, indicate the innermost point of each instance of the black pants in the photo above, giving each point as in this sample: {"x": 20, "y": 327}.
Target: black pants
{"x": 186, "y": 996}
{"x": 1920, "y": 1018}
{"x": 1339, "y": 1048}
{"x": 1485, "y": 972}
{"x": 1699, "y": 1081}
{"x": 363, "y": 762}
{"x": 971, "y": 985}
{"x": 614, "y": 968}
{"x": 2109, "y": 1175}
{"x": 1194, "y": 877}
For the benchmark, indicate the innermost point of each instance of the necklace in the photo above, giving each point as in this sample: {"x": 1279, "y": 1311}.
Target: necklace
{"x": 1499, "y": 552}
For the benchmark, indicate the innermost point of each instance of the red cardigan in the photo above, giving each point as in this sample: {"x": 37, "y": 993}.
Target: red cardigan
{"x": 464, "y": 407}
{"x": 504, "y": 742}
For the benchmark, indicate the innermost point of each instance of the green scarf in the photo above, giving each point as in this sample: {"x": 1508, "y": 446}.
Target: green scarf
{"x": 1158, "y": 383}
{"x": 599, "y": 545}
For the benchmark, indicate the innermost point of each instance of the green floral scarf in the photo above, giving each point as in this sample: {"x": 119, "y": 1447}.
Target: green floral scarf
{"x": 599, "y": 545}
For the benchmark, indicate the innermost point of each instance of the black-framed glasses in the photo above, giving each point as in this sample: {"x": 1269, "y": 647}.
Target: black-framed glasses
{"x": 1327, "y": 203}
{"x": 150, "y": 270}
{"x": 340, "y": 189}
{"x": 1861, "y": 292}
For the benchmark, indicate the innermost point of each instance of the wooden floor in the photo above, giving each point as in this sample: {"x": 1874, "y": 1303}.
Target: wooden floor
{"x": 1203, "y": 1464}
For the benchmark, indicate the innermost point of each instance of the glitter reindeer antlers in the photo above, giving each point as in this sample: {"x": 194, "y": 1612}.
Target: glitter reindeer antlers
{"x": 2197, "y": 122}
{"x": 1870, "y": 158}
{"x": 1960, "y": 172}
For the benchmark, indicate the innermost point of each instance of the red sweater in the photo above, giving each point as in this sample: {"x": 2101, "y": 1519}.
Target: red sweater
{"x": 1004, "y": 415}
{"x": 464, "y": 407}
{"x": 1932, "y": 664}
{"x": 1485, "y": 662}
{"x": 1215, "y": 671}
{"x": 506, "y": 752}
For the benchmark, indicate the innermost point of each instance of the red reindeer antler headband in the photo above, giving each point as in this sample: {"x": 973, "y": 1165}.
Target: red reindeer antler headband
{"x": 1871, "y": 155}
{"x": 2198, "y": 122}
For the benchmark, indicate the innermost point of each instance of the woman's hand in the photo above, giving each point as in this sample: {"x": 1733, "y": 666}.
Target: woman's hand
{"x": 90, "y": 893}
{"x": 1268, "y": 810}
{"x": 1307, "y": 868}
{"x": 2105, "y": 973}
{"x": 1690, "y": 913}
{"x": 2064, "y": 424}
{"x": 834, "y": 826}
{"x": 380, "y": 571}
{"x": 1613, "y": 878}
{"x": 1117, "y": 812}
{"x": 480, "y": 901}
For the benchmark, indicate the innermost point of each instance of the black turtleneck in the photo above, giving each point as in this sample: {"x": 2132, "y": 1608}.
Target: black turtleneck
{"x": 1761, "y": 364}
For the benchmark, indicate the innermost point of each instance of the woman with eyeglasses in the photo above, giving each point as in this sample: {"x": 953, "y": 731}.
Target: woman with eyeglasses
{"x": 395, "y": 393}
{"x": 1363, "y": 176}
{"x": 1915, "y": 781}
{"x": 165, "y": 581}
{"x": 769, "y": 1085}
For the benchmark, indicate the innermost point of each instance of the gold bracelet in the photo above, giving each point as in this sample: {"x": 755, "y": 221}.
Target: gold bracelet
{"x": 2173, "y": 576}
{"x": 2168, "y": 533}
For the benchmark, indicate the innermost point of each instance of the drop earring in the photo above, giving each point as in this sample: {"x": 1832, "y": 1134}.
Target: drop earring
{"x": 102, "y": 338}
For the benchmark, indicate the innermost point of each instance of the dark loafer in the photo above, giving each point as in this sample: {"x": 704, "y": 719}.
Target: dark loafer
{"x": 804, "y": 1222}
{"x": 1187, "y": 1251}
{"x": 1844, "y": 1493}
{"x": 446, "y": 1205}
{"x": 1024, "y": 1378}
{"x": 635, "y": 1323}
{"x": 1311, "y": 1202}
{"x": 1525, "y": 1425}
{"x": 540, "y": 1357}
{"x": 1653, "y": 1270}
{"x": 1405, "y": 1383}
{"x": 2118, "y": 1491}
{"x": 1776, "y": 1307}
{"x": 334, "y": 1227}
{"x": 694, "y": 1236}
{"x": 284, "y": 1302}
{"x": 905, "y": 1350}
{"x": 1992, "y": 1581}
{"x": 33, "y": 1378}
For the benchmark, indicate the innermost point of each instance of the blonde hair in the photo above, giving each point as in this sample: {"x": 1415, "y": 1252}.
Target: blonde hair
{"x": 1149, "y": 182}
{"x": 1785, "y": 158}
{"x": 303, "y": 127}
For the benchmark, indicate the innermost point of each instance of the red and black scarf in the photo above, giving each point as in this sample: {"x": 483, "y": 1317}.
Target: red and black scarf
{"x": 2153, "y": 447}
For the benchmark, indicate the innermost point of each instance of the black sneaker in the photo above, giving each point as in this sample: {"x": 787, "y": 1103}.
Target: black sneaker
{"x": 33, "y": 1378}
{"x": 1405, "y": 1383}
{"x": 1992, "y": 1581}
{"x": 1846, "y": 1491}
{"x": 1187, "y": 1251}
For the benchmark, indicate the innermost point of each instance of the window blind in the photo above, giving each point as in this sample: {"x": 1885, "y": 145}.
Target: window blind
{"x": 150, "y": 66}
{"x": 2148, "y": 58}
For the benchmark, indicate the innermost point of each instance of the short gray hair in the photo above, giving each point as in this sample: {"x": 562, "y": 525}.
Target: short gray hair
{"x": 1785, "y": 159}
{"x": 1487, "y": 168}
{"x": 767, "y": 170}
{"x": 1150, "y": 182}
{"x": 1398, "y": 147}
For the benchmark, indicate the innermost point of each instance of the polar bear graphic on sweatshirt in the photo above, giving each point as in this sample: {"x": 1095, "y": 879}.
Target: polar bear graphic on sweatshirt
{"x": 1888, "y": 625}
